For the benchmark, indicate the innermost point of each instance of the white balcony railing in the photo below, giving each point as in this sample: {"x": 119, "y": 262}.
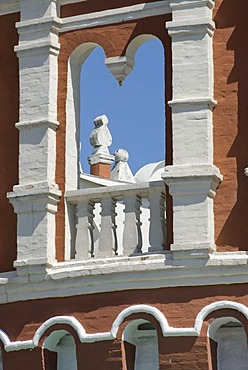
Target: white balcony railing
{"x": 119, "y": 220}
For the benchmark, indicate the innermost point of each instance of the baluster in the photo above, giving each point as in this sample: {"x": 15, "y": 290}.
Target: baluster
{"x": 132, "y": 238}
{"x": 145, "y": 220}
{"x": 84, "y": 245}
{"x": 107, "y": 239}
{"x": 157, "y": 221}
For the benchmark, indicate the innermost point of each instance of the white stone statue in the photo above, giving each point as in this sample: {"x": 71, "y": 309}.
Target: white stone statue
{"x": 121, "y": 170}
{"x": 100, "y": 139}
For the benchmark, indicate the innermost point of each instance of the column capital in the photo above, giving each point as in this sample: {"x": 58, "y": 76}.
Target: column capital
{"x": 192, "y": 179}
{"x": 38, "y": 9}
{"x": 37, "y": 197}
{"x": 193, "y": 188}
{"x": 191, "y": 27}
{"x": 35, "y": 205}
{"x": 184, "y": 4}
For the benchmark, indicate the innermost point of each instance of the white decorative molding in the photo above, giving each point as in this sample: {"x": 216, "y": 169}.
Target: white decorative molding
{"x": 60, "y": 320}
{"x": 205, "y": 101}
{"x": 121, "y": 170}
{"x": 95, "y": 19}
{"x": 107, "y": 237}
{"x": 166, "y": 329}
{"x": 35, "y": 205}
{"x": 184, "y": 4}
{"x": 185, "y": 29}
{"x": 117, "y": 15}
{"x": 218, "y": 306}
{"x": 101, "y": 139}
{"x": 36, "y": 123}
{"x": 141, "y": 308}
{"x": 9, "y": 6}
{"x": 193, "y": 188}
{"x": 120, "y": 67}
{"x": 36, "y": 280}
{"x": 42, "y": 9}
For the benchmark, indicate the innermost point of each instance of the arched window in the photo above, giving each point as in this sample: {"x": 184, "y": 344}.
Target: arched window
{"x": 127, "y": 118}
{"x": 60, "y": 351}
{"x": 141, "y": 346}
{"x": 230, "y": 344}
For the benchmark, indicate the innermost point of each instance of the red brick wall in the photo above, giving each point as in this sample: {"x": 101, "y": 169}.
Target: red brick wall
{"x": 49, "y": 360}
{"x": 97, "y": 312}
{"x": 230, "y": 123}
{"x": 183, "y": 353}
{"x": 25, "y": 359}
{"x": 9, "y": 108}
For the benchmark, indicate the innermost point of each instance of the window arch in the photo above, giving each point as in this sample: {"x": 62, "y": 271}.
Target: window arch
{"x": 77, "y": 58}
{"x": 134, "y": 109}
{"x": 141, "y": 346}
{"x": 229, "y": 344}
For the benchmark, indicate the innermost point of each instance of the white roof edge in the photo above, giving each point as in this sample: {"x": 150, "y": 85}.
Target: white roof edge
{"x": 100, "y": 180}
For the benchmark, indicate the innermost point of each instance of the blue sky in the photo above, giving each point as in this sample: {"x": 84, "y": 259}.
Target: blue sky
{"x": 135, "y": 110}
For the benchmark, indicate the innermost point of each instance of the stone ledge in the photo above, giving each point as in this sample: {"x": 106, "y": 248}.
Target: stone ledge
{"x": 200, "y": 102}
{"x": 49, "y": 123}
{"x": 146, "y": 272}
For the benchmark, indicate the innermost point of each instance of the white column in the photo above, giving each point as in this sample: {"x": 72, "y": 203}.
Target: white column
{"x": 193, "y": 179}
{"x": 35, "y": 197}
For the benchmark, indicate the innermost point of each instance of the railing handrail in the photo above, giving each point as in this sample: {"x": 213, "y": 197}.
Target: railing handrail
{"x": 98, "y": 193}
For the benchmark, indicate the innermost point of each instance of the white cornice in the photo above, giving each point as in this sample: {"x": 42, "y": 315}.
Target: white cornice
{"x": 101, "y": 18}
{"x": 112, "y": 16}
{"x": 9, "y": 6}
{"x": 121, "y": 273}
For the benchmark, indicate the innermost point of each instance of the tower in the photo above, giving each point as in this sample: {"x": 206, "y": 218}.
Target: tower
{"x": 89, "y": 276}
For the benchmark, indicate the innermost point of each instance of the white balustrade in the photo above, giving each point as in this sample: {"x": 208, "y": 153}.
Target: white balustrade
{"x": 120, "y": 220}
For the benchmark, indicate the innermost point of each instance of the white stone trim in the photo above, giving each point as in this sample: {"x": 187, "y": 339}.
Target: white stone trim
{"x": 120, "y": 67}
{"x": 140, "y": 309}
{"x": 35, "y": 205}
{"x": 100, "y": 18}
{"x": 218, "y": 306}
{"x": 177, "y": 4}
{"x": 36, "y": 280}
{"x": 36, "y": 123}
{"x": 204, "y": 101}
{"x": 61, "y": 320}
{"x": 178, "y": 29}
{"x": 117, "y": 15}
{"x": 217, "y": 323}
{"x": 167, "y": 330}
{"x": 9, "y": 6}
